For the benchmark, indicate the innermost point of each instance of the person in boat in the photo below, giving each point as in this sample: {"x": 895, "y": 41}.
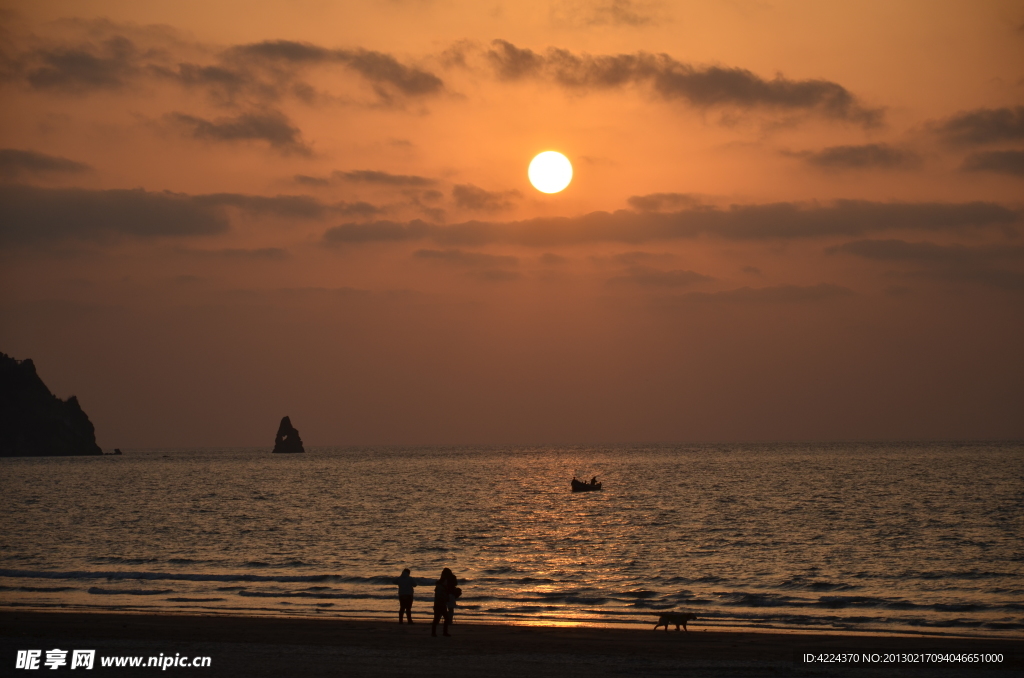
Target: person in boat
{"x": 593, "y": 481}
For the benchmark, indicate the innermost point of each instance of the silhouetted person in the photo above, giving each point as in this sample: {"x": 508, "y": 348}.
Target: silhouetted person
{"x": 444, "y": 588}
{"x": 453, "y": 595}
{"x": 593, "y": 481}
{"x": 406, "y": 584}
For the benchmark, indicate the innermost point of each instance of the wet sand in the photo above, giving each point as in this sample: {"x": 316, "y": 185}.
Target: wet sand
{"x": 254, "y": 646}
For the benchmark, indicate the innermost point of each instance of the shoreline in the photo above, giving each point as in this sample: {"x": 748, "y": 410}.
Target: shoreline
{"x": 596, "y": 622}
{"x": 272, "y": 646}
{"x": 700, "y": 624}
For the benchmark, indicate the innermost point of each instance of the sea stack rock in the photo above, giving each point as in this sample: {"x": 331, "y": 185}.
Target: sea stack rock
{"x": 36, "y": 423}
{"x": 288, "y": 439}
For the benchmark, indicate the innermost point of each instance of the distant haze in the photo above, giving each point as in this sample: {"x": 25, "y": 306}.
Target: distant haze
{"x": 787, "y": 221}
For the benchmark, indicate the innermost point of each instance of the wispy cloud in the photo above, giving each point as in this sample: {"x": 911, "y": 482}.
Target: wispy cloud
{"x": 385, "y": 178}
{"x": 108, "y": 65}
{"x": 587, "y": 13}
{"x": 646, "y": 276}
{"x": 474, "y": 198}
{"x": 388, "y": 76}
{"x": 662, "y": 202}
{"x": 1002, "y": 162}
{"x": 478, "y": 265}
{"x": 672, "y": 80}
{"x": 237, "y": 254}
{"x": 459, "y": 257}
{"x": 251, "y": 74}
{"x": 779, "y": 294}
{"x": 293, "y": 206}
{"x": 983, "y": 126}
{"x": 865, "y": 156}
{"x": 272, "y": 127}
{"x": 15, "y": 162}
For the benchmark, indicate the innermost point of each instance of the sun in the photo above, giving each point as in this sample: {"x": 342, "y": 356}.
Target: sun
{"x": 550, "y": 172}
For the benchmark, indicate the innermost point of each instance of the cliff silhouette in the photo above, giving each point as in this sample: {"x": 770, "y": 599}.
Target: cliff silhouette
{"x": 287, "y": 439}
{"x": 36, "y": 423}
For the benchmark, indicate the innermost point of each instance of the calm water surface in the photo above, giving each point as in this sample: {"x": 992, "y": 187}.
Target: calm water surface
{"x": 882, "y": 537}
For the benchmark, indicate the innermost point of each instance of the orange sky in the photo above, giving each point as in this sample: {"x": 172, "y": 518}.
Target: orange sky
{"x": 788, "y": 220}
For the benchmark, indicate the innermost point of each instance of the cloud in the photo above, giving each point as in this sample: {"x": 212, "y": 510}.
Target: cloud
{"x": 781, "y": 294}
{"x": 80, "y": 69}
{"x": 601, "y": 13}
{"x": 772, "y": 221}
{"x": 302, "y": 206}
{"x": 470, "y": 197}
{"x": 635, "y": 258}
{"x": 513, "y": 63}
{"x": 496, "y": 275}
{"x": 481, "y": 266}
{"x": 983, "y": 126}
{"x": 260, "y": 72}
{"x": 702, "y": 87}
{"x": 311, "y": 181}
{"x": 227, "y": 83}
{"x": 955, "y": 263}
{"x": 291, "y": 206}
{"x": 866, "y": 156}
{"x": 927, "y": 252}
{"x": 259, "y": 254}
{"x": 552, "y": 259}
{"x": 14, "y": 162}
{"x": 30, "y": 215}
{"x": 462, "y": 258}
{"x": 662, "y": 202}
{"x": 270, "y": 126}
{"x": 651, "y": 277}
{"x": 1003, "y": 162}
{"x": 377, "y": 177}
{"x": 360, "y": 208}
{"x": 383, "y": 71}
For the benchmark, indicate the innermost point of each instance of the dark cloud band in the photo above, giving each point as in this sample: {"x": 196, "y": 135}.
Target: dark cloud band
{"x": 987, "y": 265}
{"x": 865, "y": 156}
{"x": 35, "y": 215}
{"x": 31, "y": 215}
{"x": 1002, "y": 162}
{"x": 983, "y": 126}
{"x": 780, "y": 221}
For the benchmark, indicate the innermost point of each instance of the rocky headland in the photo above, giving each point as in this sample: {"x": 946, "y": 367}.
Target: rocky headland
{"x": 36, "y": 423}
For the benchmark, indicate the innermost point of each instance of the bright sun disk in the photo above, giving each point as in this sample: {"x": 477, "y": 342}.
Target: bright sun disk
{"x": 550, "y": 172}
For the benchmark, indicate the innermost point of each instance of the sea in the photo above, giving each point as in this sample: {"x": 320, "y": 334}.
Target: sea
{"x": 869, "y": 537}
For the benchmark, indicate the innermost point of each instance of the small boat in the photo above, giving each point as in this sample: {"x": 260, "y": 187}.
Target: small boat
{"x": 578, "y": 486}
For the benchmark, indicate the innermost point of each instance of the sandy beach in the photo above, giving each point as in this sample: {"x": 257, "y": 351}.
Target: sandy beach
{"x": 248, "y": 646}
